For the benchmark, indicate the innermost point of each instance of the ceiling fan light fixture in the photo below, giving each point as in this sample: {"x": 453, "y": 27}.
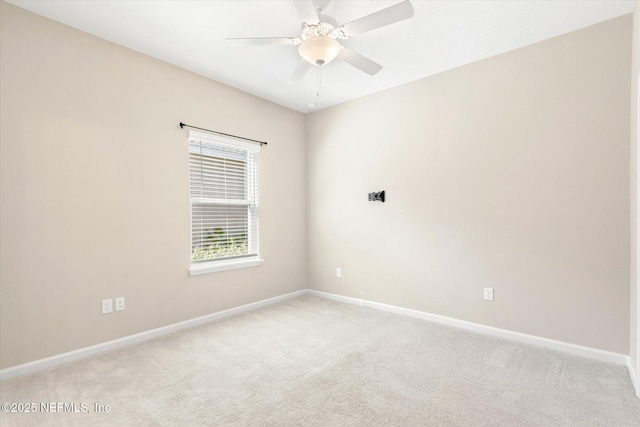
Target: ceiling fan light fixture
{"x": 319, "y": 50}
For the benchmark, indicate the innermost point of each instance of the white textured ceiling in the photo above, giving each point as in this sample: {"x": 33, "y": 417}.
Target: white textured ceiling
{"x": 442, "y": 35}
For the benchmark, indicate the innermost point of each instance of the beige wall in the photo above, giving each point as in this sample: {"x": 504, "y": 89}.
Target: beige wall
{"x": 94, "y": 190}
{"x": 635, "y": 118}
{"x": 511, "y": 173}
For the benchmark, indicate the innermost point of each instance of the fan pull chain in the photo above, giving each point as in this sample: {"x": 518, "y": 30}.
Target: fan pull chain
{"x": 319, "y": 83}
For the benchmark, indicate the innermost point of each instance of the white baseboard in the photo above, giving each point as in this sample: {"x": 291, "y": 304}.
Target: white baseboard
{"x": 573, "y": 349}
{"x": 38, "y": 365}
{"x": 634, "y": 376}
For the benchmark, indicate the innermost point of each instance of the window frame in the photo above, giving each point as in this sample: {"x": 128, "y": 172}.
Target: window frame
{"x": 223, "y": 264}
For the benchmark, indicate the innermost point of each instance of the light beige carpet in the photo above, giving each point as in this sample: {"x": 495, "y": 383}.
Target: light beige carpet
{"x": 314, "y": 362}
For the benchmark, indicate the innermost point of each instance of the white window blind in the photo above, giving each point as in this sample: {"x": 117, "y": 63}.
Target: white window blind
{"x": 224, "y": 198}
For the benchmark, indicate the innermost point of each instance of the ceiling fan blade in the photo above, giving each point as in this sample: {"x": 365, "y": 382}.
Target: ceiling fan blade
{"x": 300, "y": 71}
{"x": 306, "y": 11}
{"x": 359, "y": 61}
{"x": 390, "y": 15}
{"x": 264, "y": 41}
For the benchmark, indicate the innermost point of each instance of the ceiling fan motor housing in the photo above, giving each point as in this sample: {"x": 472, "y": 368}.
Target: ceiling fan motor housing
{"x": 319, "y": 29}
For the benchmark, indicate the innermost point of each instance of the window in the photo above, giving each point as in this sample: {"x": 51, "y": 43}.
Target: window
{"x": 223, "y": 178}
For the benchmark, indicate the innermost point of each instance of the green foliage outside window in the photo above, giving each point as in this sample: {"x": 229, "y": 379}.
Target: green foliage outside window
{"x": 220, "y": 245}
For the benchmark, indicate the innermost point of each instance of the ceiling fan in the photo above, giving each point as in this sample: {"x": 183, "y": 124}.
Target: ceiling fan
{"x": 318, "y": 41}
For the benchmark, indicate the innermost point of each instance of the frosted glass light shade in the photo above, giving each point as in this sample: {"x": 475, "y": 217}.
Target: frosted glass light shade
{"x": 319, "y": 50}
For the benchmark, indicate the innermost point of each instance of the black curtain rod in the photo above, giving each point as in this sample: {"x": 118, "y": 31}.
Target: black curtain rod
{"x": 182, "y": 125}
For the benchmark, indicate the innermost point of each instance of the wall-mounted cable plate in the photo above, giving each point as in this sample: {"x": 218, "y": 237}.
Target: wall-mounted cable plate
{"x": 375, "y": 197}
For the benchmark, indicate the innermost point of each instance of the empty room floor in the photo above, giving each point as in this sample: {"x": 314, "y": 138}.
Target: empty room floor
{"x": 310, "y": 361}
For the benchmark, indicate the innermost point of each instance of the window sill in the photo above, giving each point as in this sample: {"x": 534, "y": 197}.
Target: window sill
{"x": 212, "y": 267}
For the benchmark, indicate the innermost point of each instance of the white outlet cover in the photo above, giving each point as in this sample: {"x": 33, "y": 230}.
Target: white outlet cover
{"x": 120, "y": 304}
{"x": 488, "y": 294}
{"x": 338, "y": 272}
{"x": 107, "y": 306}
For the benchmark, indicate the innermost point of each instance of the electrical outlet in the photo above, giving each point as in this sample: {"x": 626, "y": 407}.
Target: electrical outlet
{"x": 488, "y": 294}
{"x": 338, "y": 272}
{"x": 107, "y": 306}
{"x": 119, "y": 303}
